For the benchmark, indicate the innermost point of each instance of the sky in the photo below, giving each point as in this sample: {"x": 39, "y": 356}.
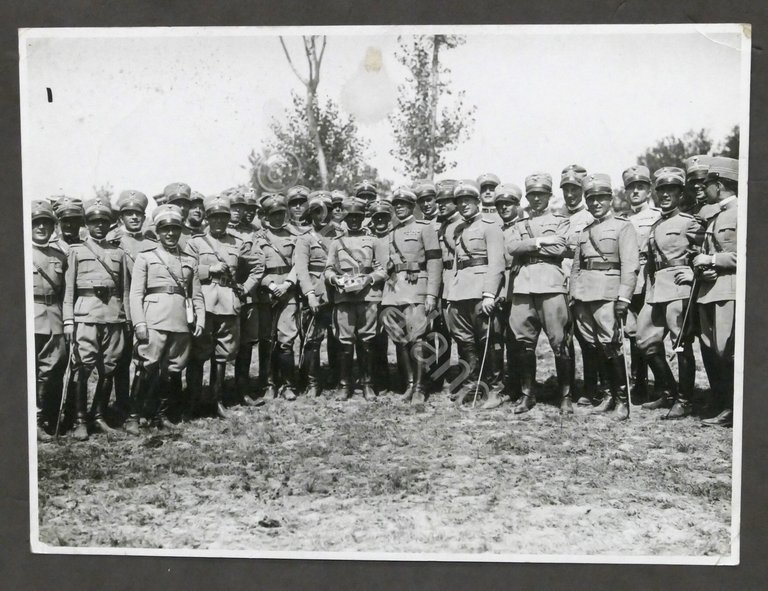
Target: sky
{"x": 140, "y": 109}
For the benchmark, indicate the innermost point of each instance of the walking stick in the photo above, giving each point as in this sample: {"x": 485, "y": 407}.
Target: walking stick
{"x": 64, "y": 391}
{"x": 307, "y": 333}
{"x": 482, "y": 363}
{"x": 678, "y": 348}
{"x": 627, "y": 368}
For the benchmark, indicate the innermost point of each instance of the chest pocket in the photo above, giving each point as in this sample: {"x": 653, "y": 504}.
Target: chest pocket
{"x": 547, "y": 229}
{"x": 113, "y": 260}
{"x": 475, "y": 241}
{"x": 607, "y": 241}
{"x": 726, "y": 236}
{"x": 317, "y": 253}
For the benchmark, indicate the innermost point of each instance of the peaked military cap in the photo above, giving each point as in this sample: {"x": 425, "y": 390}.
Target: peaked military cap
{"x": 318, "y": 199}
{"x": 721, "y": 167}
{"x": 669, "y": 175}
{"x": 572, "y": 175}
{"x": 274, "y": 202}
{"x": 297, "y": 193}
{"x": 488, "y": 178}
{"x": 404, "y": 194}
{"x": 236, "y": 197}
{"x": 196, "y": 196}
{"x": 696, "y": 167}
{"x": 216, "y": 204}
{"x": 132, "y": 201}
{"x": 366, "y": 188}
{"x": 250, "y": 196}
{"x": 176, "y": 191}
{"x": 466, "y": 188}
{"x": 597, "y": 184}
{"x": 167, "y": 215}
{"x": 538, "y": 182}
{"x": 380, "y": 207}
{"x": 65, "y": 207}
{"x": 509, "y": 192}
{"x": 98, "y": 208}
{"x": 425, "y": 189}
{"x": 354, "y": 206}
{"x": 635, "y": 174}
{"x": 445, "y": 189}
{"x": 42, "y": 209}
{"x": 338, "y": 196}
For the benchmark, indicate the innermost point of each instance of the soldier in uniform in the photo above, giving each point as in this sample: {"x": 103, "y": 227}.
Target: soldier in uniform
{"x": 538, "y": 243}
{"x": 167, "y": 310}
{"x": 354, "y": 269}
{"x": 425, "y": 199}
{"x": 310, "y": 258}
{"x": 643, "y": 215}
{"x": 278, "y": 302}
{"x": 219, "y": 255}
{"x": 674, "y": 239}
{"x": 716, "y": 269}
{"x": 296, "y": 198}
{"x": 49, "y": 264}
{"x": 337, "y": 209}
{"x": 602, "y": 283}
{"x": 488, "y": 183}
{"x": 130, "y": 237}
{"x": 473, "y": 286}
{"x": 251, "y": 207}
{"x": 194, "y": 223}
{"x": 694, "y": 199}
{"x": 71, "y": 217}
{"x": 414, "y": 270}
{"x": 179, "y": 194}
{"x": 379, "y": 229}
{"x": 94, "y": 313}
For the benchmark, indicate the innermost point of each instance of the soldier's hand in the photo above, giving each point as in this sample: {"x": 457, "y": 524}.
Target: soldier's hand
{"x": 429, "y": 305}
{"x": 314, "y": 303}
{"x": 142, "y": 334}
{"x": 488, "y": 305}
{"x": 198, "y": 331}
{"x": 334, "y": 280}
{"x": 69, "y": 332}
{"x": 280, "y": 289}
{"x": 217, "y": 268}
{"x": 620, "y": 309}
{"x": 684, "y": 276}
{"x": 367, "y": 280}
{"x": 412, "y": 277}
{"x": 702, "y": 261}
{"x": 708, "y": 275}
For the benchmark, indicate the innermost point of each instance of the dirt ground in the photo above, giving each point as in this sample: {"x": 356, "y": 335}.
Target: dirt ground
{"x": 322, "y": 475}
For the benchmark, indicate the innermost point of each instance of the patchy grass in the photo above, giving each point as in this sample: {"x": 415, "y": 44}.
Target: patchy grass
{"x": 334, "y": 476}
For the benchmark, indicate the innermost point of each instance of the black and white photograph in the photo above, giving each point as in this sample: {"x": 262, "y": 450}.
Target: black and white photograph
{"x": 424, "y": 293}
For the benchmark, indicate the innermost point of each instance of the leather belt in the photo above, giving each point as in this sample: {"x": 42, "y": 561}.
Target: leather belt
{"x": 448, "y": 264}
{"x": 217, "y": 281}
{"x": 47, "y": 299}
{"x": 593, "y": 265}
{"x": 99, "y": 292}
{"x": 473, "y": 262}
{"x": 169, "y": 289}
{"x": 568, "y": 254}
{"x": 311, "y": 267}
{"x": 358, "y": 271}
{"x": 399, "y": 267}
{"x": 681, "y": 262}
{"x": 280, "y": 270}
{"x": 535, "y": 258}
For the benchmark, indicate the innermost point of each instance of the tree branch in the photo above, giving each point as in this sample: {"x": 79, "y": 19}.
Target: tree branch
{"x": 290, "y": 62}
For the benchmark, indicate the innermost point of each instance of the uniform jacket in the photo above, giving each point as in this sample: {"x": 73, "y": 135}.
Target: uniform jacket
{"x": 278, "y": 245}
{"x": 165, "y": 311}
{"x": 445, "y": 230}
{"x": 310, "y": 257}
{"x": 219, "y": 296}
{"x": 720, "y": 240}
{"x": 358, "y": 254}
{"x": 250, "y": 236}
{"x": 47, "y": 297}
{"x": 84, "y": 271}
{"x": 62, "y": 245}
{"x": 643, "y": 219}
{"x": 413, "y": 247}
{"x": 673, "y": 241}
{"x": 490, "y": 214}
{"x": 540, "y": 268}
{"x": 132, "y": 244}
{"x": 481, "y": 241}
{"x": 616, "y": 240}
{"x": 511, "y": 266}
{"x": 579, "y": 219}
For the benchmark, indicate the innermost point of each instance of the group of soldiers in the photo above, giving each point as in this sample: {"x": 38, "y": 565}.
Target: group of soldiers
{"x": 207, "y": 279}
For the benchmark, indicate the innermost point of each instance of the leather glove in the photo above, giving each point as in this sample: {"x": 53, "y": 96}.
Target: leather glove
{"x": 620, "y": 309}
{"x": 142, "y": 334}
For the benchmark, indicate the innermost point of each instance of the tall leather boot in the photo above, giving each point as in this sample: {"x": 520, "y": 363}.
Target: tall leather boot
{"x": 589, "y": 355}
{"x": 572, "y": 368}
{"x": 513, "y": 372}
{"x": 42, "y": 412}
{"x": 468, "y": 354}
{"x": 563, "y": 366}
{"x": 81, "y": 404}
{"x": 366, "y": 366}
{"x": 195, "y": 388}
{"x": 618, "y": 376}
{"x": 665, "y": 382}
{"x": 100, "y": 401}
{"x": 405, "y": 364}
{"x": 122, "y": 379}
{"x": 138, "y": 396}
{"x": 494, "y": 376}
{"x": 287, "y": 373}
{"x": 344, "y": 354}
{"x": 268, "y": 369}
{"x": 312, "y": 363}
{"x": 715, "y": 402}
{"x": 420, "y": 377}
{"x": 639, "y": 368}
{"x": 164, "y": 394}
{"x": 381, "y": 376}
{"x": 686, "y": 365}
{"x": 333, "y": 370}
{"x": 602, "y": 365}
{"x": 526, "y": 362}
{"x": 219, "y": 368}
{"x": 243, "y": 375}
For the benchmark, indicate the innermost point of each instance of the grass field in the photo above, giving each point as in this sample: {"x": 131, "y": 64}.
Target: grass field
{"x": 337, "y": 476}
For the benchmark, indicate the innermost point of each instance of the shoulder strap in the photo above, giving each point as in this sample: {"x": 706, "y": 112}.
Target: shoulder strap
{"x": 111, "y": 273}
{"x": 213, "y": 248}
{"x": 528, "y": 228}
{"x": 173, "y": 275}
{"x": 44, "y": 275}
{"x": 593, "y": 242}
{"x": 397, "y": 248}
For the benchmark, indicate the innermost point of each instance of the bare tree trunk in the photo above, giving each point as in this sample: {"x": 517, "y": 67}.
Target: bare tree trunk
{"x": 314, "y": 130}
{"x": 433, "y": 96}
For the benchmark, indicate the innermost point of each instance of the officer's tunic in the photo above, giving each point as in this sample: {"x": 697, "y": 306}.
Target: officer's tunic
{"x": 673, "y": 240}
{"x": 539, "y": 292}
{"x": 48, "y": 290}
{"x": 158, "y": 301}
{"x": 489, "y": 213}
{"x": 605, "y": 268}
{"x": 717, "y": 299}
{"x": 643, "y": 217}
{"x": 221, "y": 336}
{"x": 355, "y": 314}
{"x": 578, "y": 218}
{"x": 95, "y": 302}
{"x": 249, "y": 313}
{"x": 413, "y": 251}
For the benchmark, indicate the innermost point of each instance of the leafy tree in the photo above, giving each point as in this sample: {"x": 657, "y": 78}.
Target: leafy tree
{"x": 730, "y": 145}
{"x": 427, "y": 123}
{"x": 672, "y": 151}
{"x": 345, "y": 150}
